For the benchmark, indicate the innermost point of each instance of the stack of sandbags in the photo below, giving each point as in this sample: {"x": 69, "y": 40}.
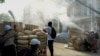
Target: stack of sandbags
{"x": 30, "y": 27}
{"x": 23, "y": 41}
{"x": 43, "y": 38}
{"x": 76, "y": 45}
{"x": 75, "y": 34}
{"x": 76, "y": 42}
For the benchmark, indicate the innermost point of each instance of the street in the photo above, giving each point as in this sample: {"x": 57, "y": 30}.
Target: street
{"x": 75, "y": 21}
{"x": 59, "y": 50}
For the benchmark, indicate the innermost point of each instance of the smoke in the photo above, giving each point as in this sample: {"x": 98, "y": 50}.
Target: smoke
{"x": 39, "y": 12}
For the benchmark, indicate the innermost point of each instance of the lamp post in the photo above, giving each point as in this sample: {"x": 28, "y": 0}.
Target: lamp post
{"x": 11, "y": 13}
{"x": 15, "y": 26}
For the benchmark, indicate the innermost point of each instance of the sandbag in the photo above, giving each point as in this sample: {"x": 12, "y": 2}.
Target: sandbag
{"x": 28, "y": 32}
{"x": 35, "y": 27}
{"x": 19, "y": 47}
{"x": 32, "y": 36}
{"x": 23, "y": 42}
{"x": 40, "y": 37}
{"x": 40, "y": 33}
{"x": 42, "y": 40}
{"x": 35, "y": 31}
{"x": 22, "y": 37}
{"x": 76, "y": 45}
{"x": 21, "y": 34}
{"x": 23, "y": 45}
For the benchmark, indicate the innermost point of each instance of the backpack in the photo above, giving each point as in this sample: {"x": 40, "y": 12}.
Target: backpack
{"x": 53, "y": 33}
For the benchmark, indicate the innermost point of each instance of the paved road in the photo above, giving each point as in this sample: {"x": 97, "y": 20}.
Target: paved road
{"x": 61, "y": 51}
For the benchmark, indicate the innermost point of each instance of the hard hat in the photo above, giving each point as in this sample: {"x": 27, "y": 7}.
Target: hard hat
{"x": 8, "y": 27}
{"x": 34, "y": 42}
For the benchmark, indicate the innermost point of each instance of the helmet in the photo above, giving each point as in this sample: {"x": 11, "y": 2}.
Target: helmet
{"x": 8, "y": 27}
{"x": 34, "y": 42}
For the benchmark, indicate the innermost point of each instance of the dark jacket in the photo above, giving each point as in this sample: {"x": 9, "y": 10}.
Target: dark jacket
{"x": 27, "y": 52}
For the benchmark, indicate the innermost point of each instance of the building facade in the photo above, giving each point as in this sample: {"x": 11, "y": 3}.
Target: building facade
{"x": 85, "y": 14}
{"x": 84, "y": 8}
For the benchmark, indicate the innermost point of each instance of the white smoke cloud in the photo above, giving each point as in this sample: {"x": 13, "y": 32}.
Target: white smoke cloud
{"x": 50, "y": 9}
{"x": 40, "y": 10}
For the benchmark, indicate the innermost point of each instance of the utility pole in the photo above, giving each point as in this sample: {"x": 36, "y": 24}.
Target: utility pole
{"x": 15, "y": 26}
{"x": 11, "y": 13}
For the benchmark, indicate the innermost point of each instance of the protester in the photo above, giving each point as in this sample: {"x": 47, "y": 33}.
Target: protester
{"x": 50, "y": 37}
{"x": 9, "y": 48}
{"x": 87, "y": 42}
{"x": 95, "y": 42}
{"x": 33, "y": 51}
{"x": 87, "y": 45}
